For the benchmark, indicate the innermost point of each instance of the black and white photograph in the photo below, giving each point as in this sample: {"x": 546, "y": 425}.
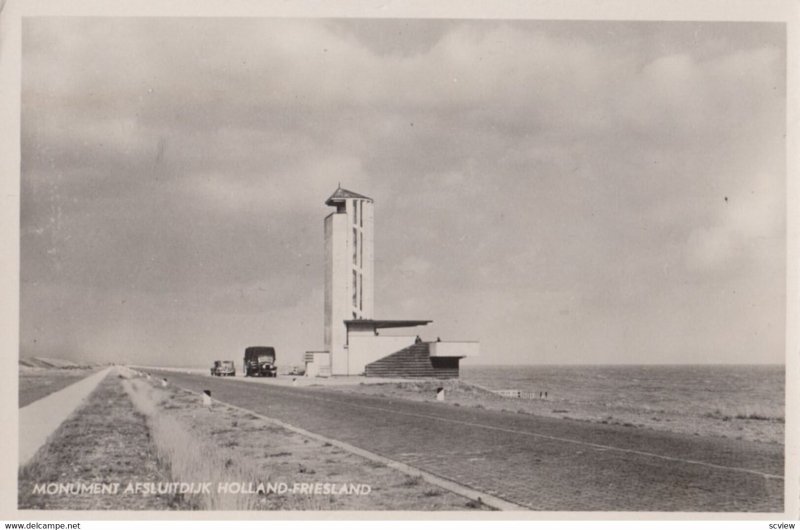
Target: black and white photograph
{"x": 407, "y": 265}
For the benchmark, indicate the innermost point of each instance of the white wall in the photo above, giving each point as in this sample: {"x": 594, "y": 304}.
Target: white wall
{"x": 320, "y": 366}
{"x": 367, "y": 348}
{"x": 340, "y": 247}
{"x": 328, "y": 315}
{"x": 368, "y": 267}
{"x": 337, "y": 286}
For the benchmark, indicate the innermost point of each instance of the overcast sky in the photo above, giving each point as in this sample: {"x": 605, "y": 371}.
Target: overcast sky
{"x": 564, "y": 192}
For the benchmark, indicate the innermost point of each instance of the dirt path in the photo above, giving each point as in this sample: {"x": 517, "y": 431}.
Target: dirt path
{"x": 541, "y": 463}
{"x": 41, "y": 418}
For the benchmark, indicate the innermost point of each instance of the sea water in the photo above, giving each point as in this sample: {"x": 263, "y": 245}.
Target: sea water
{"x": 696, "y": 390}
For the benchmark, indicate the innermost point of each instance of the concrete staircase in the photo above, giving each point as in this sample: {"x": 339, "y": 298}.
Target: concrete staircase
{"x": 413, "y": 362}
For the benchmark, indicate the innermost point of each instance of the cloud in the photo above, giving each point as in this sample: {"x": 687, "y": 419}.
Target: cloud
{"x": 752, "y": 219}
{"x": 186, "y": 162}
{"x": 414, "y": 266}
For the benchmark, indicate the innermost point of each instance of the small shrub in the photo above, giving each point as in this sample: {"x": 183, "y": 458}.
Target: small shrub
{"x": 215, "y": 432}
{"x": 756, "y": 416}
{"x": 475, "y": 504}
{"x": 415, "y": 480}
{"x": 190, "y": 459}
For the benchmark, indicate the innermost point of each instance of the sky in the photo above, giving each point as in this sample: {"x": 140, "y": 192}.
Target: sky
{"x": 563, "y": 192}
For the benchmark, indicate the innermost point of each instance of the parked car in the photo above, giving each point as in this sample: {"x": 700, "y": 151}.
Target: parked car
{"x": 223, "y": 368}
{"x": 259, "y": 361}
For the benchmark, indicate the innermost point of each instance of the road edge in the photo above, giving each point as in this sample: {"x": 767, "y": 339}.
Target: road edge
{"x": 479, "y": 496}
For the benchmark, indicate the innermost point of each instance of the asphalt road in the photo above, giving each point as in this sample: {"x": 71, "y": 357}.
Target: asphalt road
{"x": 540, "y": 463}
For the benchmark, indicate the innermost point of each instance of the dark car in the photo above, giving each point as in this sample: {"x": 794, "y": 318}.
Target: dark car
{"x": 259, "y": 361}
{"x": 222, "y": 368}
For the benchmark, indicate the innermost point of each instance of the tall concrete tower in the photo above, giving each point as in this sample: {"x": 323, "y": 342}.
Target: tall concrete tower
{"x": 349, "y": 271}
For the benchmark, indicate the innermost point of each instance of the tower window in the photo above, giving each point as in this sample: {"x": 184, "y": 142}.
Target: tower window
{"x": 355, "y": 246}
{"x": 355, "y": 288}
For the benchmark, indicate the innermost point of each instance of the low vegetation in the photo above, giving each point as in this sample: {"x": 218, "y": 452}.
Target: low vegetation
{"x": 103, "y": 442}
{"x": 222, "y": 445}
{"x": 189, "y": 459}
{"x": 746, "y": 414}
{"x": 133, "y": 431}
{"x": 743, "y": 423}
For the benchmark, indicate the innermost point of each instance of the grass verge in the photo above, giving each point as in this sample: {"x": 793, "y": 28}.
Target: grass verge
{"x": 222, "y": 445}
{"x": 104, "y": 442}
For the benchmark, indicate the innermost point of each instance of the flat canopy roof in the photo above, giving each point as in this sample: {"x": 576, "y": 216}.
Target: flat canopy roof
{"x": 387, "y": 323}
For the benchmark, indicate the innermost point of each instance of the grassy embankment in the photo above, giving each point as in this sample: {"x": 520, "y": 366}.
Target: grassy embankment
{"x": 744, "y": 423}
{"x": 105, "y": 441}
{"x": 221, "y": 445}
{"x": 131, "y": 430}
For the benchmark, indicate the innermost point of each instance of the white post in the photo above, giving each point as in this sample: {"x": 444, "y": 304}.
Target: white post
{"x": 440, "y": 394}
{"x": 207, "y": 398}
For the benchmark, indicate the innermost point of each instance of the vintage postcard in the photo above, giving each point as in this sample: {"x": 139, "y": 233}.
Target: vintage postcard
{"x": 400, "y": 262}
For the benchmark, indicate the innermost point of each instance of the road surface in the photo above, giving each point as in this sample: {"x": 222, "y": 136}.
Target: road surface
{"x": 536, "y": 462}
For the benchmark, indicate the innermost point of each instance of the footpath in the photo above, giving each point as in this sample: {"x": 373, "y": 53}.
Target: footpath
{"x": 40, "y": 419}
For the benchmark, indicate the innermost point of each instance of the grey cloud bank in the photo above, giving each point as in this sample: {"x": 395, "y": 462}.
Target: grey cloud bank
{"x": 562, "y": 191}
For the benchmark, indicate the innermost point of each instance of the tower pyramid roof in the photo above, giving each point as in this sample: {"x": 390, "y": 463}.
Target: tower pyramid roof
{"x": 341, "y": 194}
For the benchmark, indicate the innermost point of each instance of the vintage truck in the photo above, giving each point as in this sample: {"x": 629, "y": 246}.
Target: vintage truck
{"x": 222, "y": 368}
{"x": 259, "y": 361}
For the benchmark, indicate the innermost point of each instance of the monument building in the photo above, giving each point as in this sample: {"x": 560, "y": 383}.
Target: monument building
{"x": 349, "y": 270}
{"x": 353, "y": 343}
